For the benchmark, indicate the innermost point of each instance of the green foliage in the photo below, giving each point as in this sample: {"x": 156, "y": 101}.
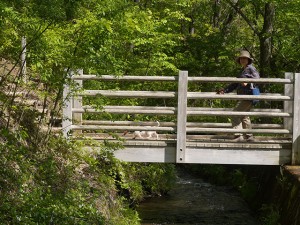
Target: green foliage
{"x": 41, "y": 180}
{"x": 58, "y": 184}
{"x": 246, "y": 185}
{"x": 272, "y": 215}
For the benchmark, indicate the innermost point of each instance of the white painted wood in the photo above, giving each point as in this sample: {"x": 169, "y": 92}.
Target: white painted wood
{"x": 219, "y": 151}
{"x": 23, "y": 59}
{"x": 144, "y": 154}
{"x": 171, "y": 111}
{"x": 129, "y": 94}
{"x": 127, "y": 110}
{"x": 239, "y": 80}
{"x": 213, "y": 95}
{"x": 288, "y": 105}
{"x": 172, "y": 124}
{"x": 296, "y": 122}
{"x": 126, "y": 78}
{"x": 235, "y": 113}
{"x": 67, "y": 109}
{"x": 181, "y": 116}
{"x": 77, "y": 103}
{"x": 172, "y": 129}
{"x": 230, "y": 109}
{"x": 122, "y": 128}
{"x": 238, "y": 156}
{"x": 226, "y": 130}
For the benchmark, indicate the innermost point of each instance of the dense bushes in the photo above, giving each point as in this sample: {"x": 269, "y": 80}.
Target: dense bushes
{"x": 59, "y": 183}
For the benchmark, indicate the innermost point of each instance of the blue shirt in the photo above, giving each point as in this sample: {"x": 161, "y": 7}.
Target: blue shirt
{"x": 248, "y": 72}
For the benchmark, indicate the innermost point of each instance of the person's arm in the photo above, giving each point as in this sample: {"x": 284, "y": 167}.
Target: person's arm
{"x": 228, "y": 89}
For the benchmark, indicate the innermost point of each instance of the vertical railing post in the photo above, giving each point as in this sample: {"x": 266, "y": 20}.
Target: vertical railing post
{"x": 181, "y": 116}
{"x": 67, "y": 108}
{"x": 23, "y": 59}
{"x": 296, "y": 122}
{"x": 77, "y": 103}
{"x": 288, "y": 105}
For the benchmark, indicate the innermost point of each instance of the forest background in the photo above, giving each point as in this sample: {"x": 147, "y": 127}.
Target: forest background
{"x": 46, "y": 180}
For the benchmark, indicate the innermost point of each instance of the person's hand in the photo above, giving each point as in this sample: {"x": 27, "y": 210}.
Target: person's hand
{"x": 244, "y": 84}
{"x": 220, "y": 91}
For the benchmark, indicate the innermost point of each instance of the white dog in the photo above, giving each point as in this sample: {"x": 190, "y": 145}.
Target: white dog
{"x": 147, "y": 134}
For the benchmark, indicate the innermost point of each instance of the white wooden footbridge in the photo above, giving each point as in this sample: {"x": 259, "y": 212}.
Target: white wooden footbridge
{"x": 186, "y": 133}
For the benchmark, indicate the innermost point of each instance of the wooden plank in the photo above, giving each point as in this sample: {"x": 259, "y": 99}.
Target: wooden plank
{"x": 213, "y": 95}
{"x": 181, "y": 116}
{"x": 224, "y": 130}
{"x": 126, "y": 110}
{"x": 125, "y": 78}
{"x": 172, "y": 124}
{"x": 296, "y": 122}
{"x": 175, "y": 78}
{"x": 147, "y": 154}
{"x": 230, "y": 109}
{"x": 240, "y": 80}
{"x": 129, "y": 94}
{"x": 128, "y": 123}
{"x": 77, "y": 103}
{"x": 67, "y": 109}
{"x": 288, "y": 105}
{"x": 235, "y": 113}
{"x": 238, "y": 156}
{"x": 122, "y": 128}
{"x": 236, "y": 145}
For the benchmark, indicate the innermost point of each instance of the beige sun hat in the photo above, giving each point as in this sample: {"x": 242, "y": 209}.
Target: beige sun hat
{"x": 245, "y": 54}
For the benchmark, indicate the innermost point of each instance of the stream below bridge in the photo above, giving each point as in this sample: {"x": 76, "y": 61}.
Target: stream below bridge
{"x": 194, "y": 201}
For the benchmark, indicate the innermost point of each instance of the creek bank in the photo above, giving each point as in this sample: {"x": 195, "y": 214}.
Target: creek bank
{"x": 283, "y": 196}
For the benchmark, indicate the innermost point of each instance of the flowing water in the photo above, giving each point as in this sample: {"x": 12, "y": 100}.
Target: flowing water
{"x": 193, "y": 201}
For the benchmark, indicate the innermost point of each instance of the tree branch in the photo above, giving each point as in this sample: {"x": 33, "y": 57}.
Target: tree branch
{"x": 239, "y": 11}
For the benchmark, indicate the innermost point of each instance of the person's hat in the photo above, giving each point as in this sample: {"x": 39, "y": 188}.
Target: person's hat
{"x": 245, "y": 54}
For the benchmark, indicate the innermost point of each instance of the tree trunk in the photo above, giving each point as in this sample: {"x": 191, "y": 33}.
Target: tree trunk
{"x": 265, "y": 38}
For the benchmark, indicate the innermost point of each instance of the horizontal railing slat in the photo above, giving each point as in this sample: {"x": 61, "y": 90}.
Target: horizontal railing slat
{"x": 171, "y": 129}
{"x": 175, "y": 78}
{"x": 230, "y": 109}
{"x": 122, "y": 128}
{"x": 254, "y": 131}
{"x": 190, "y": 111}
{"x": 127, "y": 110}
{"x": 129, "y": 94}
{"x": 173, "y": 124}
{"x": 238, "y": 113}
{"x": 212, "y": 95}
{"x": 125, "y": 78}
{"x": 239, "y": 80}
{"x": 190, "y": 95}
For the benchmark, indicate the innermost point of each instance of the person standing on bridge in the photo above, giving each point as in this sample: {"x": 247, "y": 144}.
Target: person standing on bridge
{"x": 248, "y": 71}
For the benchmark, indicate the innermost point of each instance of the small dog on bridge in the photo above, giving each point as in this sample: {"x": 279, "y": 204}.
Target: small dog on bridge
{"x": 146, "y": 134}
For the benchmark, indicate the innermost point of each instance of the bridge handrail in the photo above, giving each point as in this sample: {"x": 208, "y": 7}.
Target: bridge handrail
{"x": 175, "y": 78}
{"x": 290, "y": 111}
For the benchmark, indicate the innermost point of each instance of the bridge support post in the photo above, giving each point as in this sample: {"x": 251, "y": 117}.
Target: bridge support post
{"x": 67, "y": 108}
{"x": 181, "y": 116}
{"x": 77, "y": 103}
{"x": 288, "y": 105}
{"x": 296, "y": 122}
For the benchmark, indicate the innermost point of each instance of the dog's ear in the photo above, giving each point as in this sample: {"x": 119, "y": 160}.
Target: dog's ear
{"x": 125, "y": 132}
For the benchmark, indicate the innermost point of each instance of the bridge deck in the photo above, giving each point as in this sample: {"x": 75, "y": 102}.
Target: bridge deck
{"x": 207, "y": 149}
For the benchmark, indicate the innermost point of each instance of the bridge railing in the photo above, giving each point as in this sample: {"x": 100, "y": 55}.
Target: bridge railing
{"x": 174, "y": 111}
